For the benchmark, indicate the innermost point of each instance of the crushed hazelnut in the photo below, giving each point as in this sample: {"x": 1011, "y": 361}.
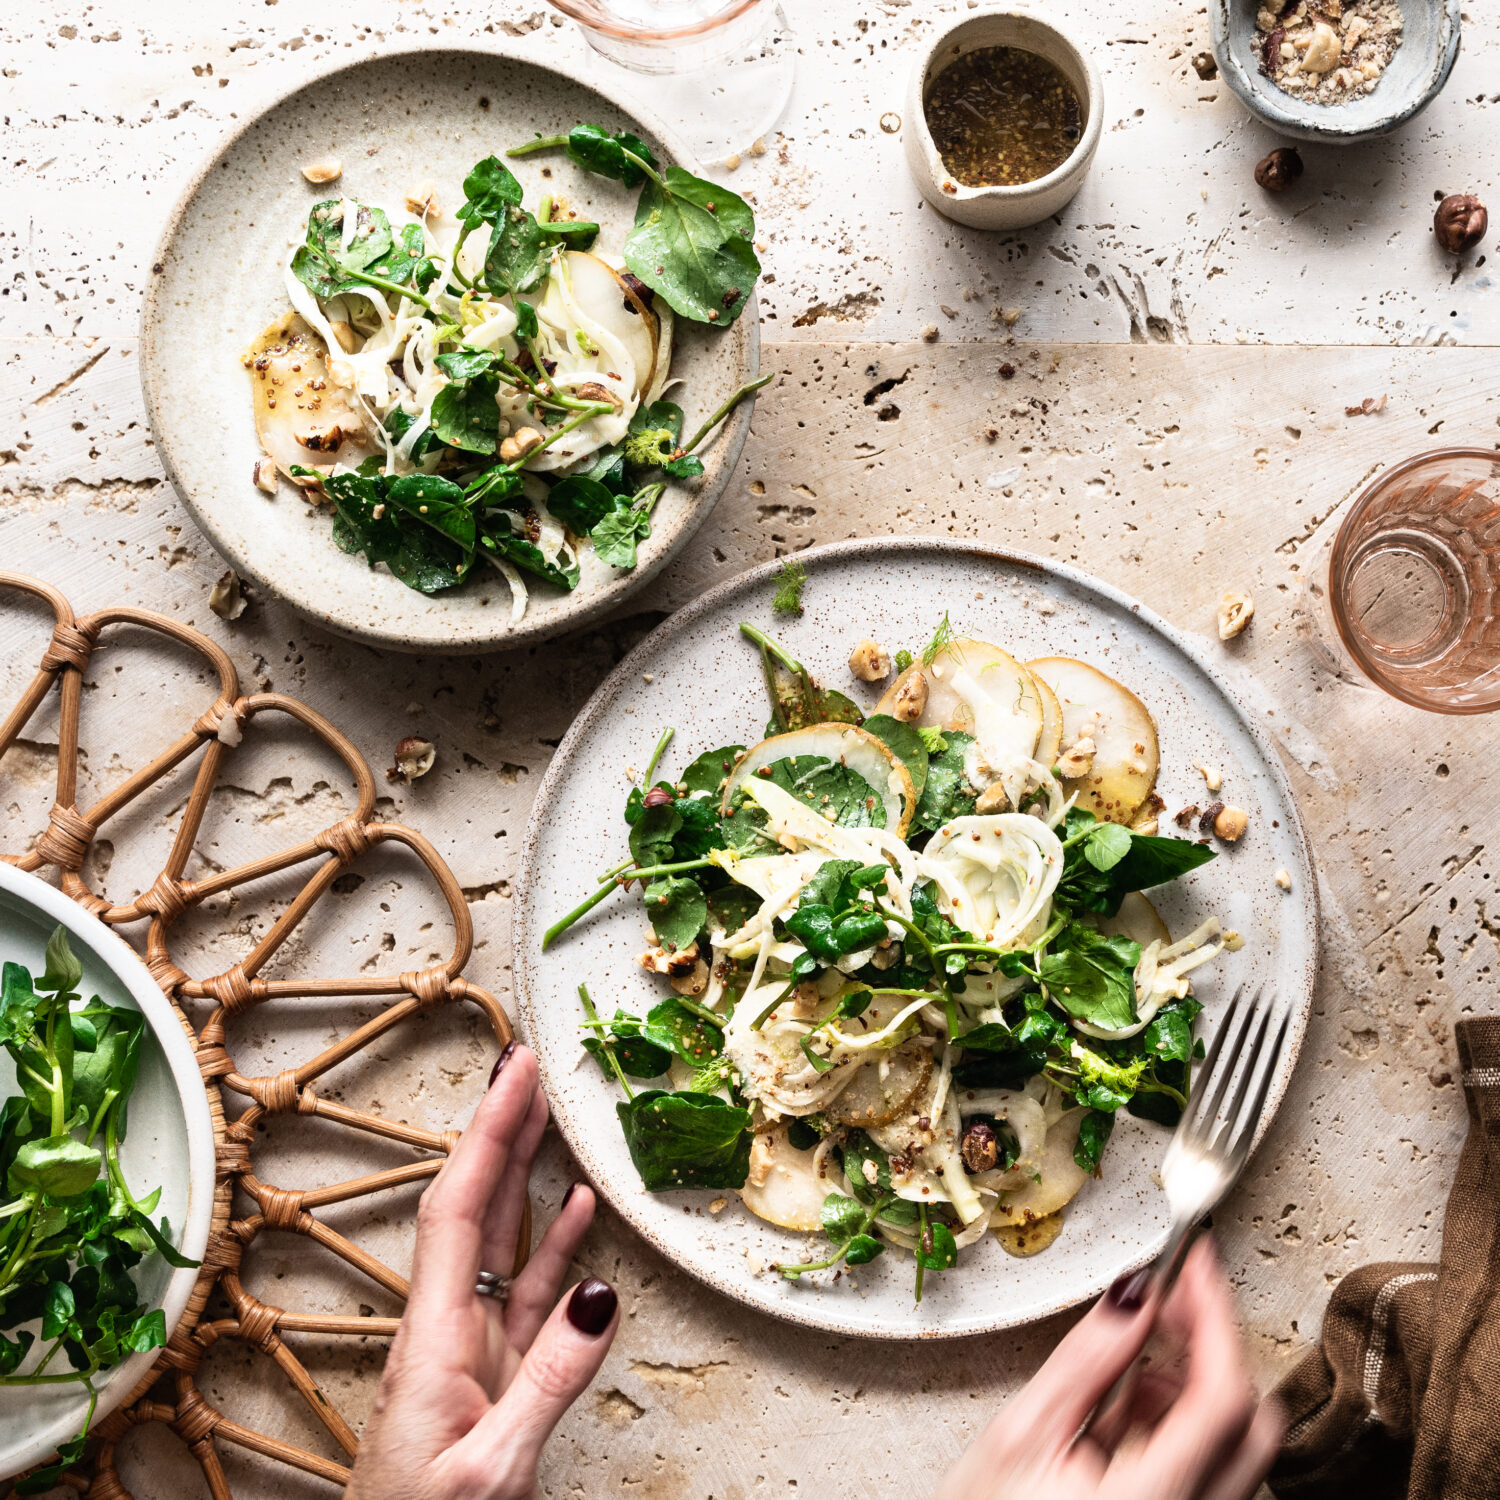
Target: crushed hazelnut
{"x": 423, "y": 203}
{"x": 1185, "y": 815}
{"x": 264, "y": 475}
{"x": 911, "y": 699}
{"x": 226, "y": 599}
{"x": 414, "y": 758}
{"x": 1233, "y": 942}
{"x": 1230, "y": 824}
{"x": 1235, "y": 612}
{"x": 1078, "y": 759}
{"x": 328, "y": 169}
{"x": 346, "y": 336}
{"x": 870, "y": 661}
{"x": 593, "y": 390}
{"x": 1212, "y": 777}
{"x": 1284, "y": 879}
{"x": 673, "y": 962}
{"x": 527, "y": 440}
{"x": 1369, "y": 407}
{"x": 718, "y": 1205}
{"x": 993, "y": 799}
{"x": 930, "y": 334}
{"x": 322, "y": 439}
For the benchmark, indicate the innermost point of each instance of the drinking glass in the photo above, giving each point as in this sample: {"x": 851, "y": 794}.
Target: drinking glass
{"x": 1407, "y": 596}
{"x": 721, "y": 70}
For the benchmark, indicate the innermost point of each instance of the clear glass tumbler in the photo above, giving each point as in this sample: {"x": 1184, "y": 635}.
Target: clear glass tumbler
{"x": 1408, "y": 594}
{"x": 722, "y": 69}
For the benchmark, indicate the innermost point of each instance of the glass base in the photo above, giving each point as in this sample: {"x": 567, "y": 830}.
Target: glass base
{"x": 722, "y": 95}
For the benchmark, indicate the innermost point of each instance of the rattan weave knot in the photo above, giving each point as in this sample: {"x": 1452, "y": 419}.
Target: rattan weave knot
{"x": 70, "y": 646}
{"x": 171, "y": 1394}
{"x": 66, "y": 839}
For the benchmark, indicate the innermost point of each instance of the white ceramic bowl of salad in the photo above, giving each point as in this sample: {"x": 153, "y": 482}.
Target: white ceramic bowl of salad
{"x": 364, "y": 279}
{"x": 169, "y": 1143}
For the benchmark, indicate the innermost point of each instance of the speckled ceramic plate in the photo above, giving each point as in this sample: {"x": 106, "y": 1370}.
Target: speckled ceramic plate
{"x": 696, "y": 672}
{"x": 170, "y": 1143}
{"x": 395, "y": 122}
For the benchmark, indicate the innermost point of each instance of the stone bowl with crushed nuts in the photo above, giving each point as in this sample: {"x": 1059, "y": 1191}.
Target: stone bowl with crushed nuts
{"x": 1335, "y": 71}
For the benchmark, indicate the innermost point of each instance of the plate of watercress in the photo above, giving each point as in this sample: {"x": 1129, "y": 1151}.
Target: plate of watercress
{"x": 107, "y": 1147}
{"x": 873, "y": 916}
{"x": 450, "y": 350}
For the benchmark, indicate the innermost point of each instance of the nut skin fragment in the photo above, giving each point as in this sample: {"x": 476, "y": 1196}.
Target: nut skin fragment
{"x": 870, "y": 661}
{"x": 1230, "y": 824}
{"x": 1460, "y": 222}
{"x": 980, "y": 1150}
{"x": 1278, "y": 171}
{"x": 264, "y": 475}
{"x": 225, "y": 598}
{"x": 1236, "y": 610}
{"x": 1212, "y": 811}
{"x": 658, "y": 796}
{"x": 593, "y": 390}
{"x": 911, "y": 699}
{"x": 414, "y": 758}
{"x": 527, "y": 440}
{"x": 328, "y": 169}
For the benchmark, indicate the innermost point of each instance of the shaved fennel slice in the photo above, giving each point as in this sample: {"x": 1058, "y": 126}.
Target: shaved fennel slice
{"x": 1161, "y": 976}
{"x": 995, "y": 875}
{"x": 364, "y": 372}
{"x": 518, "y": 594}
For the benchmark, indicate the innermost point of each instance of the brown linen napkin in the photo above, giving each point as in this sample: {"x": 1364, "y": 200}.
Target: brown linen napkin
{"x": 1401, "y": 1401}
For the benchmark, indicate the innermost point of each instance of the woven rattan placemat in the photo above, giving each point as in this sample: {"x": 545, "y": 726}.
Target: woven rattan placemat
{"x": 245, "y": 1207}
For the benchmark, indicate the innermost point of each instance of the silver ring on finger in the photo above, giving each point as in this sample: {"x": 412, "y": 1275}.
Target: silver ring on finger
{"x": 492, "y": 1284}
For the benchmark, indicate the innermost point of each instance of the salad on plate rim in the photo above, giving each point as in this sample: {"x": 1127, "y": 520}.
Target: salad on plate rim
{"x": 490, "y": 390}
{"x": 913, "y": 975}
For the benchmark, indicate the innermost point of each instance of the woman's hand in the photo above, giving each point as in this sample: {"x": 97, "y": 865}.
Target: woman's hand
{"x": 472, "y": 1389}
{"x": 1198, "y": 1438}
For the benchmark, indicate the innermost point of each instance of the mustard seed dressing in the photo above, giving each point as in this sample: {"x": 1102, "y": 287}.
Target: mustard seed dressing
{"x": 1001, "y": 116}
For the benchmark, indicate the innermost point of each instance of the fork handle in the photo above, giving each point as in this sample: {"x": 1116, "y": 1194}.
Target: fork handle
{"x": 1162, "y": 1274}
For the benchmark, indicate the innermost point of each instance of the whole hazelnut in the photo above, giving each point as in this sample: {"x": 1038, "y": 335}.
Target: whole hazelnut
{"x": 980, "y": 1150}
{"x": 1460, "y": 222}
{"x": 414, "y": 758}
{"x": 1277, "y": 172}
{"x": 1230, "y": 824}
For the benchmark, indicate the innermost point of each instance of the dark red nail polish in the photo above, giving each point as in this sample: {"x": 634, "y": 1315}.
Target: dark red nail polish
{"x": 572, "y": 1188}
{"x": 1129, "y": 1293}
{"x": 591, "y": 1306}
{"x": 500, "y": 1062}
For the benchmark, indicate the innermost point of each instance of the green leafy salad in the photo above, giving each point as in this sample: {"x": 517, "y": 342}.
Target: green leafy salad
{"x": 912, "y": 977}
{"x": 493, "y": 392}
{"x": 70, "y": 1229}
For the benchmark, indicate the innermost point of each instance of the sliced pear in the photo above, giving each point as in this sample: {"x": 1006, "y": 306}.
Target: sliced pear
{"x": 1022, "y": 1240}
{"x": 883, "y": 1088}
{"x": 783, "y": 1187}
{"x": 1138, "y": 920}
{"x": 1126, "y": 756}
{"x": 609, "y": 301}
{"x": 1060, "y": 1176}
{"x": 300, "y": 418}
{"x": 845, "y": 745}
{"x": 1050, "y": 742}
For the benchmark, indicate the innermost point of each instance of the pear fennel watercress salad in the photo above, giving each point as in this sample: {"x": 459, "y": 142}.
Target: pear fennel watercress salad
{"x": 70, "y": 1227}
{"x": 913, "y": 977}
{"x": 494, "y": 393}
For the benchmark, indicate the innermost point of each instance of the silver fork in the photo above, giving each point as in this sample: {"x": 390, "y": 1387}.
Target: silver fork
{"x": 1212, "y": 1140}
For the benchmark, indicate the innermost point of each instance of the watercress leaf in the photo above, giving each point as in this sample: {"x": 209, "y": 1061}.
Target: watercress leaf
{"x": 1106, "y": 845}
{"x": 826, "y": 885}
{"x": 855, "y": 1003}
{"x": 580, "y": 503}
{"x": 497, "y": 534}
{"x": 638, "y": 1056}
{"x": 684, "y": 253}
{"x": 936, "y": 1249}
{"x": 672, "y": 1025}
{"x": 731, "y": 907}
{"x": 905, "y": 743}
{"x": 406, "y": 262}
{"x": 989, "y": 1063}
{"x": 946, "y": 793}
{"x": 39, "y": 1481}
{"x": 464, "y": 364}
{"x": 1093, "y": 1133}
{"x": 842, "y": 1217}
{"x": 651, "y": 837}
{"x": 616, "y": 536}
{"x": 420, "y": 558}
{"x": 159, "y": 1237}
{"x": 596, "y": 150}
{"x": 489, "y": 189}
{"x": 863, "y": 1248}
{"x": 813, "y": 927}
{"x": 572, "y": 234}
{"x": 438, "y": 503}
{"x": 1169, "y": 1037}
{"x": 686, "y": 1140}
{"x": 516, "y": 258}
{"x": 149, "y": 1331}
{"x": 801, "y": 1136}
{"x": 62, "y": 973}
{"x": 689, "y": 466}
{"x": 526, "y": 322}
{"x": 866, "y": 1185}
{"x": 370, "y": 240}
{"x": 464, "y": 415}
{"x": 398, "y": 423}
{"x": 14, "y": 1351}
{"x": 608, "y": 467}
{"x": 732, "y": 212}
{"x": 898, "y": 1211}
{"x": 58, "y": 1307}
{"x": 56, "y": 1165}
{"x": 1154, "y": 860}
{"x": 676, "y": 909}
{"x": 820, "y": 1064}
{"x": 860, "y": 929}
{"x": 710, "y": 770}
{"x": 1092, "y": 977}
{"x": 700, "y": 828}
{"x": 321, "y": 279}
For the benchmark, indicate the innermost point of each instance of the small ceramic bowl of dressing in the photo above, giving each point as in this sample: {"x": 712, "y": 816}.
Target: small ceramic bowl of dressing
{"x": 1003, "y": 115}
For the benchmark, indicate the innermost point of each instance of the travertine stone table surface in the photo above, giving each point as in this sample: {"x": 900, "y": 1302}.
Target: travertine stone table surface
{"x": 1183, "y": 349}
